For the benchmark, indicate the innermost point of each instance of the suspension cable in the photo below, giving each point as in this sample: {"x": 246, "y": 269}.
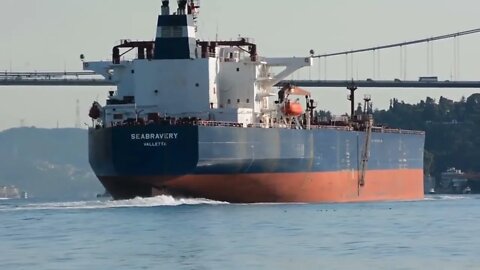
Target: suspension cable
{"x": 407, "y": 43}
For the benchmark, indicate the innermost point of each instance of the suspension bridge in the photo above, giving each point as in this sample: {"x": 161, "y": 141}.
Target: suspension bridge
{"x": 82, "y": 78}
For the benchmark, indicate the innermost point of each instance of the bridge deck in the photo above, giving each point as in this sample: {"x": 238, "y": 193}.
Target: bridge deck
{"x": 90, "y": 79}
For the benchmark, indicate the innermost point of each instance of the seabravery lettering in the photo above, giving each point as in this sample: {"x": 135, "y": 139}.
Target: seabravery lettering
{"x": 154, "y": 136}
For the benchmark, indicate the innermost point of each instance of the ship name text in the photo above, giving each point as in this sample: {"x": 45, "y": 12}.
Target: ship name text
{"x": 154, "y": 136}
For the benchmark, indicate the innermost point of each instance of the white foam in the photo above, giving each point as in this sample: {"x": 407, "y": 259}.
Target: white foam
{"x": 134, "y": 203}
{"x": 445, "y": 197}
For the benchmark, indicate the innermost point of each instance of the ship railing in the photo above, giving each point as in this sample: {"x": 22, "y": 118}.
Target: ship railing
{"x": 374, "y": 129}
{"x": 397, "y": 131}
{"x": 262, "y": 125}
{"x": 219, "y": 124}
{"x": 205, "y": 123}
{"x": 341, "y": 128}
{"x": 285, "y": 126}
{"x": 240, "y": 125}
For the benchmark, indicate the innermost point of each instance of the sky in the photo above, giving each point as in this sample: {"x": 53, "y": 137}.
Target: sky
{"x": 49, "y": 35}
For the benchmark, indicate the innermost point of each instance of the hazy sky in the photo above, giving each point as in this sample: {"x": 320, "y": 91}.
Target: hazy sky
{"x": 49, "y": 35}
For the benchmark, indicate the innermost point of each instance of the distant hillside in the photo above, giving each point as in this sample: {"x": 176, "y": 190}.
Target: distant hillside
{"x": 48, "y": 163}
{"x": 452, "y": 128}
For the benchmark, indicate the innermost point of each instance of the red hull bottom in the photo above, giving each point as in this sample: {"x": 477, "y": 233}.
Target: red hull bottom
{"x": 381, "y": 185}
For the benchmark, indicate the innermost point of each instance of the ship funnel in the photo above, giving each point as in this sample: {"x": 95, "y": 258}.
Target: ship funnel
{"x": 176, "y": 35}
{"x": 165, "y": 7}
{"x": 182, "y": 6}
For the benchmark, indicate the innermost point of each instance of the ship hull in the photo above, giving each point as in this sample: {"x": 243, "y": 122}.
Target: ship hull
{"x": 290, "y": 187}
{"x": 248, "y": 165}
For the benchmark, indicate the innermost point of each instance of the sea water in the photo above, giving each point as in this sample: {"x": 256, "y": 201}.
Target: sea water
{"x": 440, "y": 232}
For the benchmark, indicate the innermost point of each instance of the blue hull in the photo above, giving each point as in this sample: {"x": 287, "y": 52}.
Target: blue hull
{"x": 168, "y": 152}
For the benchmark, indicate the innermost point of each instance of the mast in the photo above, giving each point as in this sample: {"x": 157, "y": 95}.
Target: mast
{"x": 182, "y": 6}
{"x": 165, "y": 7}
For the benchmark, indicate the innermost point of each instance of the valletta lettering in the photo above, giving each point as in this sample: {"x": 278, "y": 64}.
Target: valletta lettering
{"x": 155, "y": 144}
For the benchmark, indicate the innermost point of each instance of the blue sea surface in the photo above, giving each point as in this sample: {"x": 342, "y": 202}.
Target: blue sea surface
{"x": 441, "y": 232}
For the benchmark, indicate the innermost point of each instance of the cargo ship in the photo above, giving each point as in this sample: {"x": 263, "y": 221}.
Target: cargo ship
{"x": 215, "y": 120}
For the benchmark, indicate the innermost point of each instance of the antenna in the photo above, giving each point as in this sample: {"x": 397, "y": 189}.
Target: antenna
{"x": 77, "y": 115}
{"x": 193, "y": 7}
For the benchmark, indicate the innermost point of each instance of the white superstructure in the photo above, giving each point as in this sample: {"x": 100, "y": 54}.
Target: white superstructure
{"x": 180, "y": 77}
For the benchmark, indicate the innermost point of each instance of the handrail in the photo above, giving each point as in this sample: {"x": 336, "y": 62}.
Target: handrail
{"x": 206, "y": 123}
